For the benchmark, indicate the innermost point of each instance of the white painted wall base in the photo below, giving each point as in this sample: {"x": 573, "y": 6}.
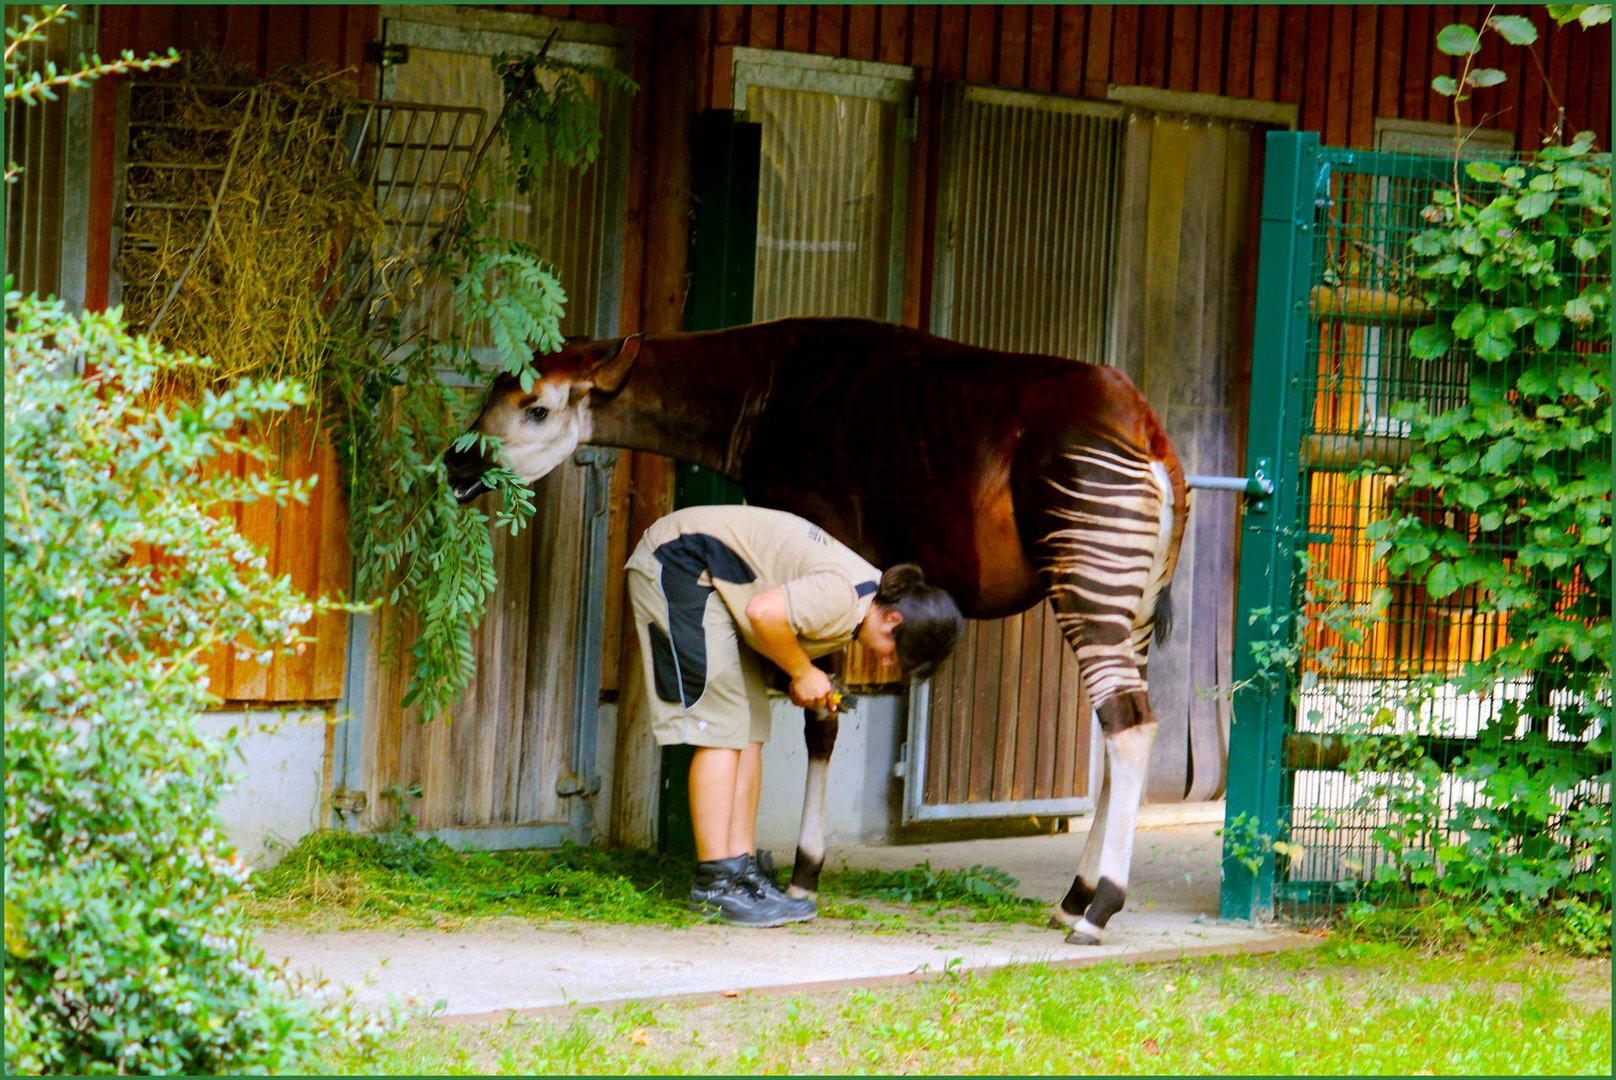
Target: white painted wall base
{"x": 279, "y": 792}
{"x": 864, "y": 798}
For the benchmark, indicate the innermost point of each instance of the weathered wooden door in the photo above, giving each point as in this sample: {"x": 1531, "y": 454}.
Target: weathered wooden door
{"x": 1183, "y": 333}
{"x": 1117, "y": 235}
{"x": 513, "y": 766}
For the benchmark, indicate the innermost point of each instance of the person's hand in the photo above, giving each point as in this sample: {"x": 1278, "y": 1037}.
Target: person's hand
{"x": 812, "y": 689}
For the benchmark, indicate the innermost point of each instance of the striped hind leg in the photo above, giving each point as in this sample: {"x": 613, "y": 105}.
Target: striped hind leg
{"x": 1105, "y": 551}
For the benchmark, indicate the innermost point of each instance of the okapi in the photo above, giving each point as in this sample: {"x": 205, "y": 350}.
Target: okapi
{"x": 1008, "y": 477}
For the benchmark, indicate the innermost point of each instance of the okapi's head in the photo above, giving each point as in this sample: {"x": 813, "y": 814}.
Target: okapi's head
{"x": 539, "y": 428}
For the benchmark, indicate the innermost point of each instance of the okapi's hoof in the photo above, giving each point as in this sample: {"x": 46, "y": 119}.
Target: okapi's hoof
{"x": 1060, "y": 920}
{"x": 1078, "y": 937}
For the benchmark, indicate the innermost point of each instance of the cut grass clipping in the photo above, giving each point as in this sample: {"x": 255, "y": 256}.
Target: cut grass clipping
{"x": 342, "y": 879}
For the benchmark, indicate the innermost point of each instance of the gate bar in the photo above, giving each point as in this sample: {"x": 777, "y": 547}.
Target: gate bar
{"x": 1258, "y": 485}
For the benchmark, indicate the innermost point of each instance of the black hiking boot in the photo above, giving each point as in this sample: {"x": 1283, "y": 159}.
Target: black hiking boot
{"x": 721, "y": 889}
{"x": 759, "y": 875}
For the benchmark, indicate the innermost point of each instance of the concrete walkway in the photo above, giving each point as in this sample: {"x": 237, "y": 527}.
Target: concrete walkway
{"x": 504, "y": 965}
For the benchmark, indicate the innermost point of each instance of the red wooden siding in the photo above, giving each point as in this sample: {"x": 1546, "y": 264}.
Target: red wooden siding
{"x": 1343, "y": 65}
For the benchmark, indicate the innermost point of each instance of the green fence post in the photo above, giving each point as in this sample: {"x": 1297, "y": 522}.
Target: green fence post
{"x": 723, "y": 259}
{"x": 1270, "y": 534}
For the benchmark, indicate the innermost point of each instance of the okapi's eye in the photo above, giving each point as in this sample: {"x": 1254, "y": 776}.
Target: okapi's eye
{"x": 538, "y": 414}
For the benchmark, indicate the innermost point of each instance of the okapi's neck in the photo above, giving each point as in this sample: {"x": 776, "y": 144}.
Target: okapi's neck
{"x": 690, "y": 397}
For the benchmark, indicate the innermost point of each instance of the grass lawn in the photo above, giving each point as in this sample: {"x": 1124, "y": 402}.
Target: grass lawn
{"x": 1343, "y": 1009}
{"x": 1353, "y": 1006}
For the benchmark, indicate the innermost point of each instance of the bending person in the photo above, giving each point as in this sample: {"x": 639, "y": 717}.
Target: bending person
{"x": 715, "y": 591}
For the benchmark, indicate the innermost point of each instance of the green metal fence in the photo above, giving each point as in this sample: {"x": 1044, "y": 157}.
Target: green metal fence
{"x": 1332, "y": 647}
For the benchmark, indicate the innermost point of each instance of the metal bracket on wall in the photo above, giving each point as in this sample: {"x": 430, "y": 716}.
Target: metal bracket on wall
{"x": 1258, "y": 486}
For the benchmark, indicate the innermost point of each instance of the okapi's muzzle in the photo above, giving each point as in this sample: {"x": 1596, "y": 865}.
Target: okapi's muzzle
{"x": 466, "y": 470}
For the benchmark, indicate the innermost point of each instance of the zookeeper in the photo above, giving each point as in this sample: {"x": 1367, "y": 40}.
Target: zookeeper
{"x": 788, "y": 592}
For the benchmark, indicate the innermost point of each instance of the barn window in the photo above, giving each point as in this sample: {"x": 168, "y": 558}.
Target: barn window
{"x": 1027, "y": 222}
{"x": 573, "y": 216}
{"x": 47, "y": 209}
{"x": 832, "y": 199}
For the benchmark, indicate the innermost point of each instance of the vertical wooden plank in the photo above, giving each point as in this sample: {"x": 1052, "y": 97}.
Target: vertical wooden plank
{"x": 1154, "y": 44}
{"x": 336, "y": 577}
{"x": 830, "y": 29}
{"x": 1212, "y": 50}
{"x": 1389, "y": 62}
{"x": 1182, "y": 47}
{"x": 1242, "y": 32}
{"x": 1294, "y": 51}
{"x": 957, "y": 726}
{"x": 763, "y": 28}
{"x": 1361, "y": 124}
{"x": 861, "y": 20}
{"x": 923, "y": 43}
{"x": 796, "y": 35}
{"x": 285, "y": 38}
{"x": 1438, "y": 109}
{"x": 1041, "y": 48}
{"x": 1072, "y": 29}
{"x": 1097, "y": 61}
{"x": 1012, "y": 62}
{"x": 1007, "y": 713}
{"x": 1417, "y": 47}
{"x": 729, "y": 24}
{"x": 1031, "y": 662}
{"x": 1580, "y": 116}
{"x": 325, "y": 38}
{"x": 980, "y": 53}
{"x": 1316, "y": 79}
{"x": 244, "y": 35}
{"x": 892, "y": 34}
{"x": 1265, "y": 56}
{"x": 951, "y": 33}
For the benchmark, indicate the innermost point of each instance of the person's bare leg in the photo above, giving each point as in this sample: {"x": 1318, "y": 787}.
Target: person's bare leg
{"x": 743, "y": 813}
{"x": 712, "y": 800}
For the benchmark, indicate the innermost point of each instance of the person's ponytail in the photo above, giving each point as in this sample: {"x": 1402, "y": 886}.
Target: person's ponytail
{"x": 931, "y": 625}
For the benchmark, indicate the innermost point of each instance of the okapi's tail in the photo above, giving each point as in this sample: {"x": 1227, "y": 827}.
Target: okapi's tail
{"x": 1164, "y": 614}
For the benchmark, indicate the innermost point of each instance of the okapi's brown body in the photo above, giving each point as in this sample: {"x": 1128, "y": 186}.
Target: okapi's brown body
{"x": 1007, "y": 477}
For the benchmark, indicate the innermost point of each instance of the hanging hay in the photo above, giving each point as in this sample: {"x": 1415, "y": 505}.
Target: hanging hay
{"x": 245, "y": 213}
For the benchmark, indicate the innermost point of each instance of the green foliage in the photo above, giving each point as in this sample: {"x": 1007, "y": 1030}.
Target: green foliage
{"x": 30, "y": 86}
{"x": 125, "y": 947}
{"x": 1586, "y": 15}
{"x": 396, "y": 415}
{"x": 1517, "y": 265}
{"x": 551, "y": 112}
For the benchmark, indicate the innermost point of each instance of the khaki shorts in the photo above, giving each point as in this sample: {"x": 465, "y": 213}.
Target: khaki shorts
{"x": 704, "y": 685}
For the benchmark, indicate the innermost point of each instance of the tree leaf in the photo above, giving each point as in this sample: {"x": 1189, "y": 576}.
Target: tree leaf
{"x": 1458, "y": 39}
{"x": 1485, "y": 77}
{"x": 1534, "y": 204}
{"x": 1493, "y": 348}
{"x": 1485, "y": 172}
{"x": 1441, "y": 581}
{"x": 1471, "y": 318}
{"x": 1515, "y": 29}
{"x": 1430, "y": 342}
{"x": 1546, "y": 332}
{"x": 1584, "y": 248}
{"x": 1446, "y": 85}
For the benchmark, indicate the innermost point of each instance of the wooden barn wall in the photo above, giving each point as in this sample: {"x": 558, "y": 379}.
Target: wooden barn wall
{"x": 1342, "y": 66}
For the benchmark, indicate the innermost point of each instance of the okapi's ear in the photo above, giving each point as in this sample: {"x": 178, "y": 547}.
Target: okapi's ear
{"x": 608, "y": 377}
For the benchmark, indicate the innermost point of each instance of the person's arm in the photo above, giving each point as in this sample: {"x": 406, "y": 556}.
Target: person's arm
{"x": 771, "y": 625}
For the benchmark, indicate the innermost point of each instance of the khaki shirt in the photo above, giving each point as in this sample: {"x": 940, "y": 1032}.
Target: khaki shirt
{"x": 828, "y": 588}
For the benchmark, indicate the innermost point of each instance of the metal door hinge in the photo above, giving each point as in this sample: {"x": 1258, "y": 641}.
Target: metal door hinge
{"x": 386, "y": 53}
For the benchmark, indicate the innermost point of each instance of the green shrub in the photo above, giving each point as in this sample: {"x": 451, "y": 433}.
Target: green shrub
{"x": 125, "y": 947}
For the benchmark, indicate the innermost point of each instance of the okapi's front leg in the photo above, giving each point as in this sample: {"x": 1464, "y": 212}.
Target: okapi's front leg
{"x": 819, "y": 730}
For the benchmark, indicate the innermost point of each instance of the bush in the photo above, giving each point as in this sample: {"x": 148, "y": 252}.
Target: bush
{"x": 125, "y": 948}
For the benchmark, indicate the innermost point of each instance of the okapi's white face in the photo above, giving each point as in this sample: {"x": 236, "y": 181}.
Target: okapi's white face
{"x": 539, "y": 428}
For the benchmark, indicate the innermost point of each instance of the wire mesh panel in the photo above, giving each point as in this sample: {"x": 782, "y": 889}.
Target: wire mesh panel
{"x": 1371, "y": 702}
